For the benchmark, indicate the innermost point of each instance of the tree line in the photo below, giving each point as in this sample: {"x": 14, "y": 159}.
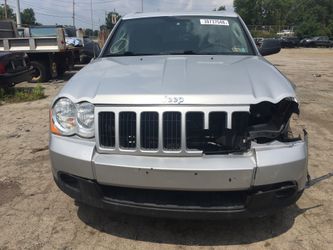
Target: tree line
{"x": 28, "y": 18}
{"x": 27, "y": 15}
{"x": 308, "y": 17}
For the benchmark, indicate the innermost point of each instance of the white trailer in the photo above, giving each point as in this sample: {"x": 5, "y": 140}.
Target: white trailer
{"x": 49, "y": 55}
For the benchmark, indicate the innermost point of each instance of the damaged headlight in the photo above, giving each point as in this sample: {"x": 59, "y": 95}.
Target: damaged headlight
{"x": 269, "y": 121}
{"x": 67, "y": 118}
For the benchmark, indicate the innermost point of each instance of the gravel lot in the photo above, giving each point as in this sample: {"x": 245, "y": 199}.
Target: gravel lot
{"x": 35, "y": 214}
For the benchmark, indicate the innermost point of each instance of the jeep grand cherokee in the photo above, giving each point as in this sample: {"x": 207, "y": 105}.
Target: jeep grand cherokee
{"x": 180, "y": 116}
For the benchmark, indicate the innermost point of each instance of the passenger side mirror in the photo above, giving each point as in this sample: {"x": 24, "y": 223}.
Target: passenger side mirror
{"x": 270, "y": 47}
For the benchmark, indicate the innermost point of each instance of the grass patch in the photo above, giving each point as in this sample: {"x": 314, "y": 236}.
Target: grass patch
{"x": 23, "y": 94}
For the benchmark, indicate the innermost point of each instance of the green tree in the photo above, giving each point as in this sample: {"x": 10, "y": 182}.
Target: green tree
{"x": 111, "y": 19}
{"x": 248, "y": 10}
{"x": 88, "y": 32}
{"x": 10, "y": 12}
{"x": 309, "y": 17}
{"x": 314, "y": 18}
{"x": 103, "y": 27}
{"x": 28, "y": 17}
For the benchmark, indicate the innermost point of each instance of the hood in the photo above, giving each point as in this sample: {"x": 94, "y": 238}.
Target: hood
{"x": 11, "y": 54}
{"x": 195, "y": 80}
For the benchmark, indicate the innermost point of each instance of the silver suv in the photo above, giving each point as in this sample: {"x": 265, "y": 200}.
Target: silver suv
{"x": 180, "y": 116}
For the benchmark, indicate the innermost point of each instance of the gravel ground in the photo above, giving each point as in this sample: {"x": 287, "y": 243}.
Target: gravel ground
{"x": 35, "y": 214}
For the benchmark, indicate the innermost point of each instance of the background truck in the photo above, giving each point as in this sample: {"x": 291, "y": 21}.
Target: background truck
{"x": 47, "y": 51}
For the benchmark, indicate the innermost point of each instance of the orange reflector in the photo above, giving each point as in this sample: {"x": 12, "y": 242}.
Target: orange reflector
{"x": 53, "y": 128}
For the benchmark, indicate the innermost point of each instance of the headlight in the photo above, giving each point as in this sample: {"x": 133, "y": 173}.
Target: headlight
{"x": 68, "y": 118}
{"x": 85, "y": 119}
{"x": 64, "y": 116}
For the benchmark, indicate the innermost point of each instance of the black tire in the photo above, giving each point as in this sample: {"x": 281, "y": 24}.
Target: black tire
{"x": 84, "y": 59}
{"x": 41, "y": 72}
{"x": 61, "y": 69}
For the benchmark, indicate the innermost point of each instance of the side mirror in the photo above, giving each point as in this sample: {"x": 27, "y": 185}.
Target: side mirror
{"x": 270, "y": 47}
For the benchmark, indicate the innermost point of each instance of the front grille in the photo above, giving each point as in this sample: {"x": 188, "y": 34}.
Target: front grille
{"x": 145, "y": 130}
{"x": 172, "y": 130}
{"x": 194, "y": 130}
{"x": 106, "y": 126}
{"x": 149, "y": 130}
{"x": 218, "y": 121}
{"x": 127, "y": 130}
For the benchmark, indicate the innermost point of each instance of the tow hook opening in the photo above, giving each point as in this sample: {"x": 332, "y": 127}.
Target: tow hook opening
{"x": 285, "y": 192}
{"x": 69, "y": 181}
{"x": 279, "y": 191}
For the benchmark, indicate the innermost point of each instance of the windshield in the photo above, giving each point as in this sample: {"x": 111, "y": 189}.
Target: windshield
{"x": 179, "y": 35}
{"x": 43, "y": 31}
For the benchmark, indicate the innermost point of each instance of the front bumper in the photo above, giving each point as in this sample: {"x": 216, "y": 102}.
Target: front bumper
{"x": 265, "y": 166}
{"x": 8, "y": 80}
{"x": 258, "y": 201}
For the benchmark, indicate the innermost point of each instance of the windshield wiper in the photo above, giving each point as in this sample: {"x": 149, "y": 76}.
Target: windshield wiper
{"x": 185, "y": 52}
{"x": 128, "y": 53}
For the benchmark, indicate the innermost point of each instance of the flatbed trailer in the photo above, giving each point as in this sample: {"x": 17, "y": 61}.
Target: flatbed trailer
{"x": 49, "y": 56}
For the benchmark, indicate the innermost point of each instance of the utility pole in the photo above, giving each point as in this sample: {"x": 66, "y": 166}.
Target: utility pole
{"x": 18, "y": 14}
{"x": 73, "y": 13}
{"x": 92, "y": 15}
{"x": 6, "y": 15}
{"x": 92, "y": 23}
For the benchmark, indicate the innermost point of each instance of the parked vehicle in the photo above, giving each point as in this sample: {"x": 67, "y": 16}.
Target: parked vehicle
{"x": 7, "y": 29}
{"x": 285, "y": 33}
{"x": 89, "y": 51}
{"x": 290, "y": 42}
{"x": 319, "y": 41}
{"x": 259, "y": 41}
{"x": 86, "y": 49}
{"x": 46, "y": 49}
{"x": 180, "y": 116}
{"x": 14, "y": 68}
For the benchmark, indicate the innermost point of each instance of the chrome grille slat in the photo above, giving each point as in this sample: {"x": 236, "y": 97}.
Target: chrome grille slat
{"x": 117, "y": 129}
{"x": 145, "y": 142}
{"x": 138, "y": 130}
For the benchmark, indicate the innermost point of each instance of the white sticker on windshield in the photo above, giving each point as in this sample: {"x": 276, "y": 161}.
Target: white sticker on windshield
{"x": 214, "y": 22}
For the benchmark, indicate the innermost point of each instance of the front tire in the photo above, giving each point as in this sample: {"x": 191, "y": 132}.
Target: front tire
{"x": 41, "y": 72}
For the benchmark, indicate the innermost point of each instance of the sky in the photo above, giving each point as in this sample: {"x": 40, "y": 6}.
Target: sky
{"x": 61, "y": 11}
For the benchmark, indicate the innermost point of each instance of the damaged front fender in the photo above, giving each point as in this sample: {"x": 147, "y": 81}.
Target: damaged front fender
{"x": 282, "y": 161}
{"x": 268, "y": 121}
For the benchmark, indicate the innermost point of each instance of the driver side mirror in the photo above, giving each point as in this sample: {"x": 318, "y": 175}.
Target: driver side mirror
{"x": 270, "y": 47}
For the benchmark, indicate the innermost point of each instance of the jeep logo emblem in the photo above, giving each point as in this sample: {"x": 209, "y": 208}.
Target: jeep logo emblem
{"x": 174, "y": 99}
